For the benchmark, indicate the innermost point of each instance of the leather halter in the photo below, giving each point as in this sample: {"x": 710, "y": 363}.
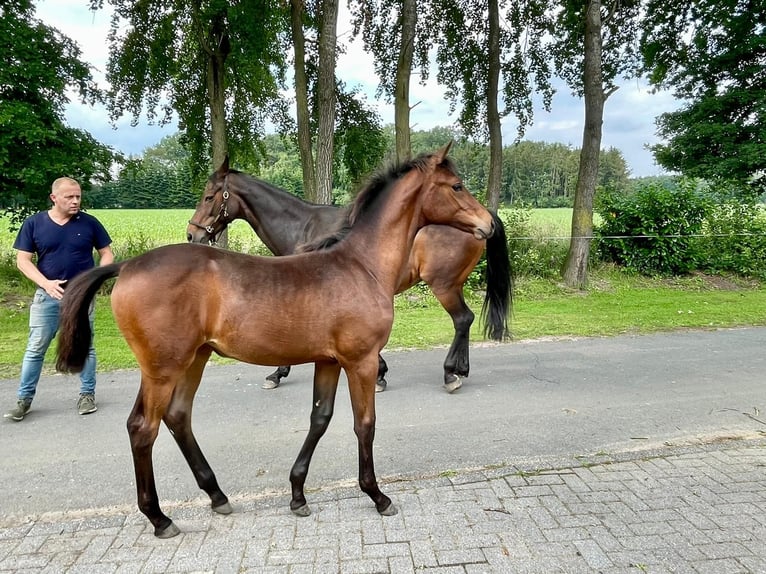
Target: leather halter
{"x": 223, "y": 212}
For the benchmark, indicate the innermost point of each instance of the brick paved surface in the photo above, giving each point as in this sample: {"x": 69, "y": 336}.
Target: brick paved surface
{"x": 700, "y": 509}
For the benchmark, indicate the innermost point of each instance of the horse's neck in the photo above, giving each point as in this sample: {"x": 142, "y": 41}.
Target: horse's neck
{"x": 277, "y": 217}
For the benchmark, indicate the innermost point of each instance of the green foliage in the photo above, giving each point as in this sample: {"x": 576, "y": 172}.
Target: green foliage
{"x": 654, "y": 229}
{"x": 41, "y": 67}
{"x": 711, "y": 54}
{"x": 735, "y": 240}
{"x": 620, "y": 26}
{"x": 461, "y": 32}
{"x": 163, "y": 57}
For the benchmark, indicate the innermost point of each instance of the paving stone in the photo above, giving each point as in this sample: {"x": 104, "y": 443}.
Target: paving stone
{"x": 697, "y": 511}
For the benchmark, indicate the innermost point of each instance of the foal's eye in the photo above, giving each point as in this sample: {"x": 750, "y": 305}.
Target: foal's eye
{"x": 458, "y": 187}
{"x": 209, "y": 198}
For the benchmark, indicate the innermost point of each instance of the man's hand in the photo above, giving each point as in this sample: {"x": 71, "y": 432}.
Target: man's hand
{"x": 54, "y": 288}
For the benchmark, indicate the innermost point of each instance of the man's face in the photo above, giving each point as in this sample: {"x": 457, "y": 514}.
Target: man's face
{"x": 66, "y": 199}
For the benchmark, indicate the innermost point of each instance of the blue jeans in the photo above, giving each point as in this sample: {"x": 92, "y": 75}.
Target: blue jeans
{"x": 43, "y": 326}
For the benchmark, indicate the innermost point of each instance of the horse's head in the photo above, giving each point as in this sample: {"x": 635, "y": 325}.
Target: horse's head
{"x": 214, "y": 210}
{"x": 447, "y": 200}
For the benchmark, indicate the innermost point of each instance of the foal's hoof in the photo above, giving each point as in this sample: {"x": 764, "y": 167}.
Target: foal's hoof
{"x": 270, "y": 383}
{"x": 302, "y": 510}
{"x": 452, "y": 383}
{"x": 389, "y": 510}
{"x": 169, "y": 531}
{"x": 224, "y": 508}
{"x": 380, "y": 385}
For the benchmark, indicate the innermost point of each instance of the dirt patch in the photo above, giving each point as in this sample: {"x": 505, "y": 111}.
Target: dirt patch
{"x": 718, "y": 282}
{"x": 14, "y": 301}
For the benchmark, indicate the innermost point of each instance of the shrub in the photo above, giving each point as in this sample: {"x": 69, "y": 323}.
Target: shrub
{"x": 655, "y": 229}
{"x": 736, "y": 240}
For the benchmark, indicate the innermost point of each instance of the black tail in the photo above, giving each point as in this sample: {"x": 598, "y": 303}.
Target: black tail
{"x": 498, "y": 302}
{"x": 74, "y": 325}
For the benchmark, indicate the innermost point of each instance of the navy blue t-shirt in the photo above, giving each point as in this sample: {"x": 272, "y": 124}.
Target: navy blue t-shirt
{"x": 63, "y": 251}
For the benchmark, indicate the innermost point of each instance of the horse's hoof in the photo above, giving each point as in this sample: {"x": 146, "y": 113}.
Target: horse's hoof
{"x": 224, "y": 508}
{"x": 453, "y": 384}
{"x": 270, "y": 384}
{"x": 168, "y": 532}
{"x": 389, "y": 510}
{"x": 302, "y": 510}
{"x": 380, "y": 385}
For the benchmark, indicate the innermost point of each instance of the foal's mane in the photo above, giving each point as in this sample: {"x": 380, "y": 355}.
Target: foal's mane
{"x": 366, "y": 202}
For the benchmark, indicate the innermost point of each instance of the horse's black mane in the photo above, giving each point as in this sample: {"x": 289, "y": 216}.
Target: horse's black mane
{"x": 367, "y": 198}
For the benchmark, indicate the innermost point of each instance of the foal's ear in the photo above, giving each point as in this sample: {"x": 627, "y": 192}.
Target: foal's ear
{"x": 441, "y": 155}
{"x": 224, "y": 169}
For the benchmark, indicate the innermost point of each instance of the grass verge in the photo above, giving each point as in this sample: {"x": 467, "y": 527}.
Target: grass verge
{"x": 615, "y": 303}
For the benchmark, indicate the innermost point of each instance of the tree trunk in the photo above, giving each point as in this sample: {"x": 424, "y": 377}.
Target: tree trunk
{"x": 493, "y": 115}
{"x": 302, "y": 101}
{"x": 218, "y": 51}
{"x": 575, "y": 273}
{"x": 326, "y": 99}
{"x": 409, "y": 19}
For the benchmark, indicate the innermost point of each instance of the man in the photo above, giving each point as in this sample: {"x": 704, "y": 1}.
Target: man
{"x": 63, "y": 239}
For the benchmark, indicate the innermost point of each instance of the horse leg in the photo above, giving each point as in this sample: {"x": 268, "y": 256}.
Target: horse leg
{"x": 456, "y": 364}
{"x": 178, "y": 420}
{"x": 381, "y": 383}
{"x": 361, "y": 386}
{"x": 325, "y": 385}
{"x": 273, "y": 380}
{"x": 143, "y": 427}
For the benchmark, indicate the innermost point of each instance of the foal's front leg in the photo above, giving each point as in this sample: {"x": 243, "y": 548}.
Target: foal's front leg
{"x": 325, "y": 385}
{"x": 361, "y": 384}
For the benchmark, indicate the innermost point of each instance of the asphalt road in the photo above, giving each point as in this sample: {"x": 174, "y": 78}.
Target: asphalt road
{"x": 533, "y": 404}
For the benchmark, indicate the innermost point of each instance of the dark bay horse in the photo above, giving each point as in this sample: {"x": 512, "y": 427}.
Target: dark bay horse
{"x": 177, "y": 304}
{"x": 442, "y": 256}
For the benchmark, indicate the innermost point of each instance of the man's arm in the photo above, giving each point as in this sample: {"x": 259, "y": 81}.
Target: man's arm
{"x": 105, "y": 255}
{"x": 27, "y": 266}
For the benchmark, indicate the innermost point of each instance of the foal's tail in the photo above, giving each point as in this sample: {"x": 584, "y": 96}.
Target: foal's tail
{"x": 498, "y": 302}
{"x": 74, "y": 326}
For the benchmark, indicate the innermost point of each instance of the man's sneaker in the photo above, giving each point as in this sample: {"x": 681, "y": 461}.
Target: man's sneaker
{"x": 86, "y": 404}
{"x": 22, "y": 408}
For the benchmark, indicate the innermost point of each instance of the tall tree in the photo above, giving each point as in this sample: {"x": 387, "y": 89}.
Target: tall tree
{"x": 713, "y": 56}
{"x": 339, "y": 116}
{"x": 36, "y": 146}
{"x": 399, "y": 41}
{"x": 326, "y": 98}
{"x": 481, "y": 62}
{"x": 218, "y": 65}
{"x": 594, "y": 50}
{"x": 303, "y": 112}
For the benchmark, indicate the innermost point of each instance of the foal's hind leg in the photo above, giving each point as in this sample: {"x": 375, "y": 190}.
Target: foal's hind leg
{"x": 456, "y": 364}
{"x": 143, "y": 426}
{"x": 325, "y": 385}
{"x": 178, "y": 421}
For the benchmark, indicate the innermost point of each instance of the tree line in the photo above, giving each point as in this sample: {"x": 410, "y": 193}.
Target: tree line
{"x": 536, "y": 174}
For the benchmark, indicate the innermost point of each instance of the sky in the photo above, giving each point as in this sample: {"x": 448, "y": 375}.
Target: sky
{"x": 629, "y": 113}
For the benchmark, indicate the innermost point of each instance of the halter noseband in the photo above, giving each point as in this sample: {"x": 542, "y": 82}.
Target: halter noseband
{"x": 222, "y": 212}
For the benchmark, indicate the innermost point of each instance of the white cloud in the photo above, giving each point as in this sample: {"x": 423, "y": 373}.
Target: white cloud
{"x": 629, "y": 113}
